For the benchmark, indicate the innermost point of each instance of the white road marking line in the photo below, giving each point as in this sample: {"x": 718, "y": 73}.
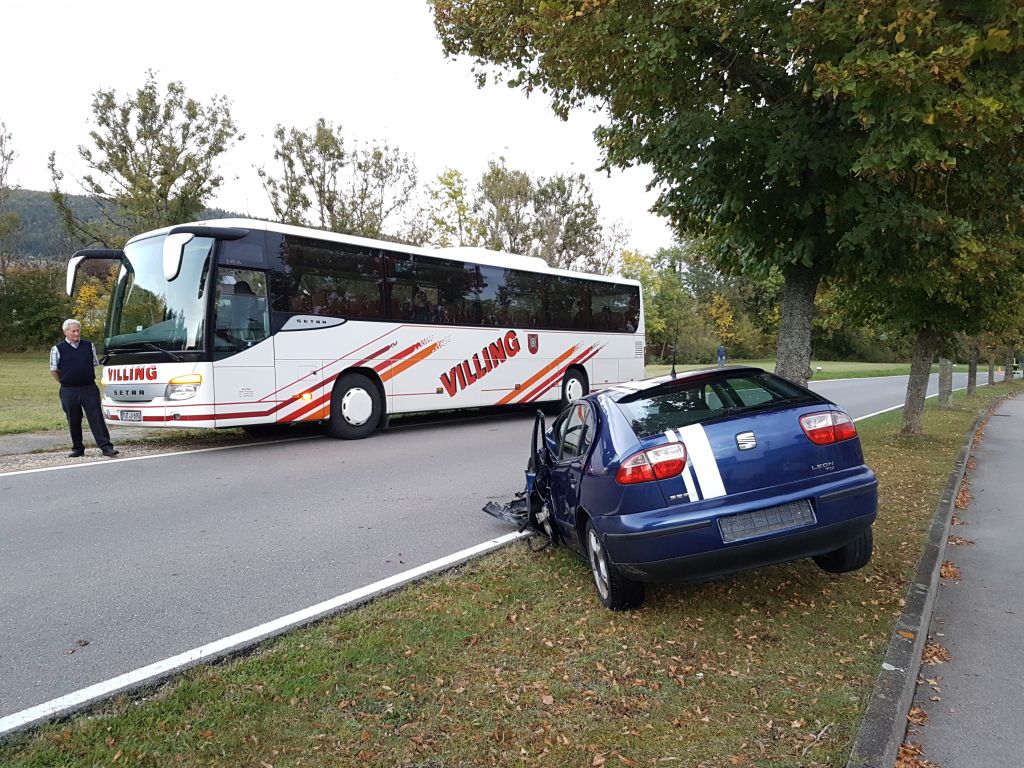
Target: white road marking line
{"x": 106, "y": 462}
{"x": 897, "y": 407}
{"x": 233, "y": 643}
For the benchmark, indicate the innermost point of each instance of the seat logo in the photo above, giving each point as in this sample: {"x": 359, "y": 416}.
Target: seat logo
{"x": 746, "y": 441}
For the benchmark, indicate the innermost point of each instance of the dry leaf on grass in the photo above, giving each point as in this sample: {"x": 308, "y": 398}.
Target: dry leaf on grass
{"x": 934, "y": 653}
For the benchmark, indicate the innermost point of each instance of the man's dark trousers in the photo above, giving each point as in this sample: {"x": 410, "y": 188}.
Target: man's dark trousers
{"x": 85, "y": 397}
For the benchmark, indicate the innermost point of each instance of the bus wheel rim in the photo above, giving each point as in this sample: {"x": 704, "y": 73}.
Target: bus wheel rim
{"x": 574, "y": 388}
{"x": 356, "y": 406}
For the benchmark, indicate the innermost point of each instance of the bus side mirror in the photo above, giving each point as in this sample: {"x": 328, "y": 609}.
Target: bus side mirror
{"x": 174, "y": 248}
{"x": 90, "y": 253}
{"x": 73, "y": 273}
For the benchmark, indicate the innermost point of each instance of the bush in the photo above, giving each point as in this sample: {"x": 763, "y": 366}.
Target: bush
{"x": 33, "y": 305}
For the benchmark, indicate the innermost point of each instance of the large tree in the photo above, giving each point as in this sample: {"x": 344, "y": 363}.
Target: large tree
{"x": 936, "y": 91}
{"x": 8, "y": 218}
{"x": 340, "y": 185}
{"x": 152, "y": 161}
{"x": 734, "y": 107}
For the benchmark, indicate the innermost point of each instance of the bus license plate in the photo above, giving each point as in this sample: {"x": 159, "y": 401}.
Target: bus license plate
{"x": 130, "y": 415}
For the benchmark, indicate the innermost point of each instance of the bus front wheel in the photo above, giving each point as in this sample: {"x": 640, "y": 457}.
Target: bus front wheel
{"x": 356, "y": 407}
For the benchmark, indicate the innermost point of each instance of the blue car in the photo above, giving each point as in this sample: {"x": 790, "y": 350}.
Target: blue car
{"x": 688, "y": 477}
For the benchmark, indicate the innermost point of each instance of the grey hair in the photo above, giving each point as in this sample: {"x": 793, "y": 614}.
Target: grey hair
{"x": 68, "y": 323}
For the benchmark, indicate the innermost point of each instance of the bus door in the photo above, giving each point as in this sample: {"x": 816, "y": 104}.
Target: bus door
{"x": 244, "y": 378}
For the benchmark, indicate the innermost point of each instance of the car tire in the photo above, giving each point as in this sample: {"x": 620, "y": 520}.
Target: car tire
{"x": 615, "y": 592}
{"x": 356, "y": 407}
{"x": 574, "y": 386}
{"x": 850, "y": 557}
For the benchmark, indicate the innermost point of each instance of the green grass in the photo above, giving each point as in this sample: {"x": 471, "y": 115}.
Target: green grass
{"x": 511, "y": 661}
{"x": 28, "y": 394}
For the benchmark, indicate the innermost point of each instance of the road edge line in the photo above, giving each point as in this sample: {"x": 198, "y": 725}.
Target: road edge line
{"x": 240, "y": 641}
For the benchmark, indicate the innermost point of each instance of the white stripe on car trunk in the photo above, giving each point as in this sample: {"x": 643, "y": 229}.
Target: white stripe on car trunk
{"x": 700, "y": 456}
{"x": 691, "y": 487}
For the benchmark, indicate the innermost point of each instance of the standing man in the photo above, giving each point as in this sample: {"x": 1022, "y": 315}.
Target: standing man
{"x": 73, "y": 363}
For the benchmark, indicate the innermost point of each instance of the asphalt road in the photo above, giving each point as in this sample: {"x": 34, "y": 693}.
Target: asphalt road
{"x": 111, "y": 566}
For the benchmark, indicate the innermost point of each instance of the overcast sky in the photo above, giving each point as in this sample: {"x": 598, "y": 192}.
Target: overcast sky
{"x": 375, "y": 67}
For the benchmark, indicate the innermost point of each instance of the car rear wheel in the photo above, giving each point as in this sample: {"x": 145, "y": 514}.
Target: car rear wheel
{"x": 850, "y": 557}
{"x": 356, "y": 407}
{"x": 613, "y": 590}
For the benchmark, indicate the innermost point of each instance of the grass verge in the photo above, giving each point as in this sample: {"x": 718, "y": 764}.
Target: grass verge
{"x": 510, "y": 661}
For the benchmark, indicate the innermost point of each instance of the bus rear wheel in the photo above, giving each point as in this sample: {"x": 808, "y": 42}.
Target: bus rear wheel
{"x": 356, "y": 407}
{"x": 574, "y": 386}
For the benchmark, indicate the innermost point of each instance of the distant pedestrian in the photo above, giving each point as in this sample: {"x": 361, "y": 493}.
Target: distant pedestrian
{"x": 721, "y": 355}
{"x": 73, "y": 363}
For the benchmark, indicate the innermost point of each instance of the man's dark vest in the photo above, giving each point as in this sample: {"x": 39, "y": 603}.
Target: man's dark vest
{"x": 75, "y": 365}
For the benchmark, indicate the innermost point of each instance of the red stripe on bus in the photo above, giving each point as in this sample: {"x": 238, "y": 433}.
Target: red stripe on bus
{"x": 378, "y": 353}
{"x": 419, "y": 357}
{"x": 397, "y": 356}
{"x": 550, "y": 381}
{"x": 533, "y": 379}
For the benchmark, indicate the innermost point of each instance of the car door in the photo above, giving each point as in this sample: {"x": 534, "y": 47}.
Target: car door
{"x": 574, "y": 435}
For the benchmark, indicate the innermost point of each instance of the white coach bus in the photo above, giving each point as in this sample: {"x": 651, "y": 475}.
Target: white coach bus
{"x": 235, "y": 322}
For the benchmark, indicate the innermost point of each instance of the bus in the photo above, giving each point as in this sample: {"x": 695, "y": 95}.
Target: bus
{"x": 243, "y": 323}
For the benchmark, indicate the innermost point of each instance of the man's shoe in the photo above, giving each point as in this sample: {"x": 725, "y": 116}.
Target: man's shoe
{"x": 76, "y": 454}
{"x": 111, "y": 453}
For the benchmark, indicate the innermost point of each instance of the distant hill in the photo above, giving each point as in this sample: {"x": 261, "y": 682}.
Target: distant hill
{"x": 41, "y": 234}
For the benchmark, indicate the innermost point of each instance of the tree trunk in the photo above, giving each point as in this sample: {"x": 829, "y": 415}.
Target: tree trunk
{"x": 991, "y": 370}
{"x": 1008, "y": 370}
{"x": 793, "y": 354}
{"x": 972, "y": 370}
{"x": 917, "y": 386}
{"x": 945, "y": 382}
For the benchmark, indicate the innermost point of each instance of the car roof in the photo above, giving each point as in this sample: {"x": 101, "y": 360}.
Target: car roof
{"x": 684, "y": 378}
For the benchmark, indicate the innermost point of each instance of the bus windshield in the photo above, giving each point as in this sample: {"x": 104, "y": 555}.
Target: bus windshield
{"x": 148, "y": 312}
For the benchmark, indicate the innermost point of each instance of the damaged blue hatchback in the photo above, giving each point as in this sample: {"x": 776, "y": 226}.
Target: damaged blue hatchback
{"x": 698, "y": 475}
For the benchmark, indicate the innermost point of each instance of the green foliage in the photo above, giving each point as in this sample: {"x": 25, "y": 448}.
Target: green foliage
{"x": 32, "y": 307}
{"x": 364, "y": 191}
{"x": 151, "y": 164}
{"x": 876, "y": 141}
{"x": 8, "y": 218}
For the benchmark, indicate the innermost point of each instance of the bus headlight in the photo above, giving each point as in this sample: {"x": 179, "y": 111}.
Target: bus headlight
{"x": 183, "y": 387}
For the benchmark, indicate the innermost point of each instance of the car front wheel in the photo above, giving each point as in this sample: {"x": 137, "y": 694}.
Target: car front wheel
{"x": 613, "y": 590}
{"x": 850, "y": 557}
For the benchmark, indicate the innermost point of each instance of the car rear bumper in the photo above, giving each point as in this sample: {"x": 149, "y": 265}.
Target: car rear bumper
{"x": 686, "y": 544}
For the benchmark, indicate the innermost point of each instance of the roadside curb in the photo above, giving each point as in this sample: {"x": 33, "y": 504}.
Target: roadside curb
{"x": 885, "y": 722}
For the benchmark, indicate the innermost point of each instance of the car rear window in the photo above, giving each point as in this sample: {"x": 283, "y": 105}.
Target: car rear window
{"x": 680, "y": 403}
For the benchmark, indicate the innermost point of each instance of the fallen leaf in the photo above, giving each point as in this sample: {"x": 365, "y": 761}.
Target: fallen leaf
{"x": 904, "y": 633}
{"x": 934, "y": 653}
{"x": 949, "y": 570}
{"x": 917, "y": 716}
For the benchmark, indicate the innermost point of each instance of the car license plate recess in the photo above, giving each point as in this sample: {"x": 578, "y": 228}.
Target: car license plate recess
{"x": 747, "y": 525}
{"x": 129, "y": 415}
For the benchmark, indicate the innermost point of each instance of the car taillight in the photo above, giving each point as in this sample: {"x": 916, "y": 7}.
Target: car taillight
{"x": 653, "y": 464}
{"x": 827, "y": 428}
